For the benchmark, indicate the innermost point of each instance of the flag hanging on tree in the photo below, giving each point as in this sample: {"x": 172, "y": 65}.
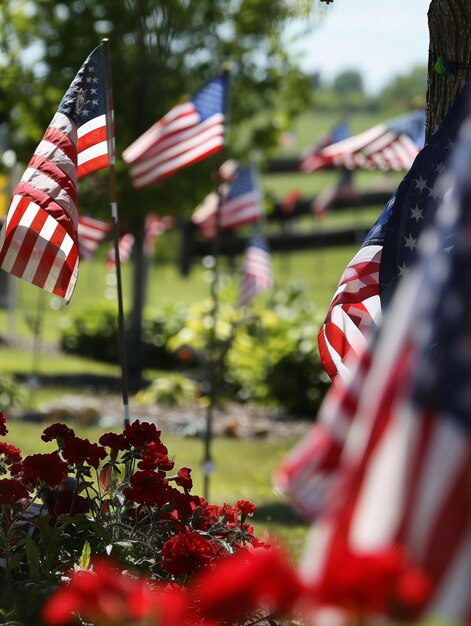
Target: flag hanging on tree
{"x": 401, "y": 498}
{"x": 39, "y": 240}
{"x": 239, "y": 202}
{"x": 257, "y": 272}
{"x": 91, "y": 233}
{"x": 387, "y": 252}
{"x": 390, "y": 146}
{"x": 192, "y": 131}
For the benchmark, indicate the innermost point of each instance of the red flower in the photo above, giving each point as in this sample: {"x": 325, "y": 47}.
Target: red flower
{"x": 184, "y": 479}
{"x": 57, "y": 431}
{"x": 78, "y": 451}
{"x": 43, "y": 468}
{"x": 230, "y": 513}
{"x": 3, "y": 424}
{"x": 11, "y": 491}
{"x": 186, "y": 553}
{"x": 113, "y": 441}
{"x": 139, "y": 435}
{"x": 12, "y": 453}
{"x": 104, "y": 595}
{"x": 155, "y": 456}
{"x": 148, "y": 487}
{"x": 380, "y": 582}
{"x": 243, "y": 582}
{"x": 245, "y": 507}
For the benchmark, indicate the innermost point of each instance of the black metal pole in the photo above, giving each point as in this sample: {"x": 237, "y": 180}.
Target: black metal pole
{"x": 115, "y": 217}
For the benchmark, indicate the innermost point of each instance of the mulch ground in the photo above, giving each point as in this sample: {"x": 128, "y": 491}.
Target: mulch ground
{"x": 231, "y": 420}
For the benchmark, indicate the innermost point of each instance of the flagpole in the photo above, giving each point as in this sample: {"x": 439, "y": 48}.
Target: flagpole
{"x": 208, "y": 463}
{"x": 115, "y": 218}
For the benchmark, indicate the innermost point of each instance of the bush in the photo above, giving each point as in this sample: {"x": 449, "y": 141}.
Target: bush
{"x": 93, "y": 333}
{"x": 172, "y": 390}
{"x": 12, "y": 393}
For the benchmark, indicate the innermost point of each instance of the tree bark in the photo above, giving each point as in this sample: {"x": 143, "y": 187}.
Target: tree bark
{"x": 449, "y": 24}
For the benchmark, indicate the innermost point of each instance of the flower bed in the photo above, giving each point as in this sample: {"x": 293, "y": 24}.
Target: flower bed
{"x": 121, "y": 498}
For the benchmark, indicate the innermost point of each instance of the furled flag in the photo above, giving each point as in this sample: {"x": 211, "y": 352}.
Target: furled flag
{"x": 387, "y": 252}
{"x": 400, "y": 505}
{"x": 125, "y": 247}
{"x": 91, "y": 233}
{"x": 39, "y": 241}
{"x": 390, "y": 146}
{"x": 192, "y": 131}
{"x": 239, "y": 202}
{"x": 257, "y": 273}
{"x": 310, "y": 156}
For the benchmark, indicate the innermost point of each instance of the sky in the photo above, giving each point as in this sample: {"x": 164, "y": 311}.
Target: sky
{"x": 379, "y": 38}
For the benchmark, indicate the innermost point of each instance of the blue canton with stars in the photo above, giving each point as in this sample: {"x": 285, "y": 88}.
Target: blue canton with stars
{"x": 443, "y": 369}
{"x": 211, "y": 99}
{"x": 414, "y": 203}
{"x": 246, "y": 182}
{"x": 85, "y": 98}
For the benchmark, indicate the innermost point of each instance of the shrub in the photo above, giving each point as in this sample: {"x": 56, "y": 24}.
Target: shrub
{"x": 174, "y": 389}
{"x": 12, "y": 393}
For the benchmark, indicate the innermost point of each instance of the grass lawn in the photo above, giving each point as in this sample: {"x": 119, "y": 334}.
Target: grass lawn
{"x": 243, "y": 471}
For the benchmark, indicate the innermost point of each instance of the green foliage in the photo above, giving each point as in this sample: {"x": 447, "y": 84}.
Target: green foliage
{"x": 275, "y": 360}
{"x": 173, "y": 389}
{"x": 93, "y": 333}
{"x": 12, "y": 393}
{"x": 159, "y": 54}
{"x": 269, "y": 357}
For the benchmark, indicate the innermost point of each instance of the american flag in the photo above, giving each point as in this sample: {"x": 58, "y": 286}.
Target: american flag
{"x": 387, "y": 252}
{"x": 257, "y": 273}
{"x": 39, "y": 241}
{"x": 241, "y": 202}
{"x": 404, "y": 473}
{"x": 310, "y": 156}
{"x": 125, "y": 248}
{"x": 155, "y": 226}
{"x": 91, "y": 233}
{"x": 192, "y": 131}
{"x": 390, "y": 146}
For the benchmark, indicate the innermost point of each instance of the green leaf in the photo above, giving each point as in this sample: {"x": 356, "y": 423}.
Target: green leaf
{"x": 33, "y": 556}
{"x": 84, "y": 562}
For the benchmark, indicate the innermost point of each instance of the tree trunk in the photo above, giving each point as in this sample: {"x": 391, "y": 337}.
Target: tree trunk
{"x": 449, "y": 30}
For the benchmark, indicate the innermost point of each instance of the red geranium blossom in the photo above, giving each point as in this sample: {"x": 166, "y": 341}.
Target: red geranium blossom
{"x": 114, "y": 441}
{"x": 11, "y": 453}
{"x": 3, "y": 424}
{"x": 43, "y": 468}
{"x": 155, "y": 456}
{"x": 184, "y": 478}
{"x": 57, "y": 431}
{"x": 372, "y": 583}
{"x": 245, "y": 507}
{"x": 148, "y": 487}
{"x": 11, "y": 491}
{"x": 230, "y": 513}
{"x": 139, "y": 435}
{"x": 186, "y": 553}
{"x": 78, "y": 451}
{"x": 244, "y": 582}
{"x": 103, "y": 595}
